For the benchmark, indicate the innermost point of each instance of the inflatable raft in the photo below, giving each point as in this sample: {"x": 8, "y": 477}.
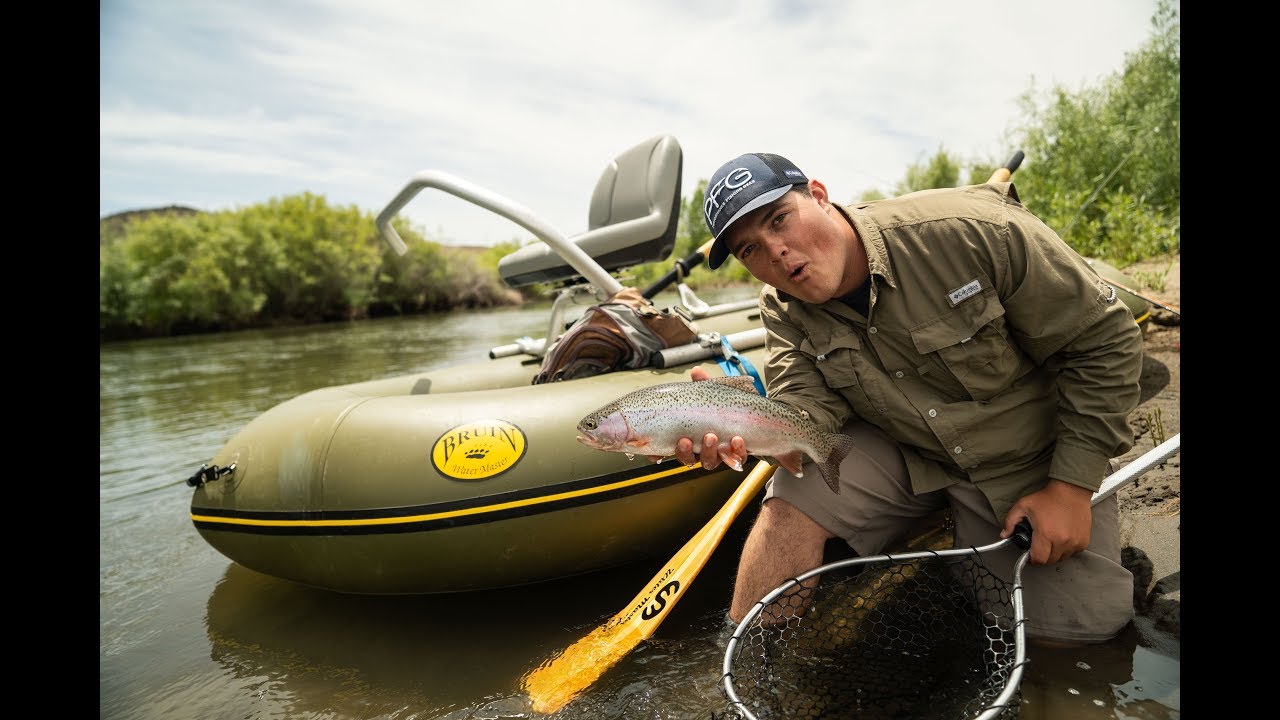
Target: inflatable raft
{"x": 471, "y": 477}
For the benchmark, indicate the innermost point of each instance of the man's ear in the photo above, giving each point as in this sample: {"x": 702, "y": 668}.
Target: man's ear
{"x": 819, "y": 191}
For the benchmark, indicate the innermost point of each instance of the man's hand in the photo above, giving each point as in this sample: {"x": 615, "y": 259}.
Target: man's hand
{"x": 1061, "y": 521}
{"x": 710, "y": 443}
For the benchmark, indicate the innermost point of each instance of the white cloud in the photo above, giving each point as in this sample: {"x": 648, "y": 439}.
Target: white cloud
{"x": 220, "y": 105}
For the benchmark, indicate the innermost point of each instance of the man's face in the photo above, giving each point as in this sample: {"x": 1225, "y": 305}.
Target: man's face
{"x": 800, "y": 245}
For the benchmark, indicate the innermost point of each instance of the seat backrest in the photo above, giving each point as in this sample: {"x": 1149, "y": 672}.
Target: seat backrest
{"x": 634, "y": 211}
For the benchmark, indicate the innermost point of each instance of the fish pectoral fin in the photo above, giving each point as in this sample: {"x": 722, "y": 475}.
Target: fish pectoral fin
{"x": 792, "y": 461}
{"x": 733, "y": 460}
{"x": 640, "y": 446}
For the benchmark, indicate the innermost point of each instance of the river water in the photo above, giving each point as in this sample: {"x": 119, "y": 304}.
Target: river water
{"x": 184, "y": 633}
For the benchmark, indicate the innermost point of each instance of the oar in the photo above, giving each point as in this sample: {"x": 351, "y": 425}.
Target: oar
{"x": 562, "y": 678}
{"x": 1005, "y": 172}
{"x": 682, "y": 269}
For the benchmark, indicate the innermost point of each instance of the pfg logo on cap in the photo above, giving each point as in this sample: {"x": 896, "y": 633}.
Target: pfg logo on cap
{"x": 716, "y": 199}
{"x": 745, "y": 183}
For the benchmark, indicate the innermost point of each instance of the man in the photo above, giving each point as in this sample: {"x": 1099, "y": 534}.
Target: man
{"x": 976, "y": 360}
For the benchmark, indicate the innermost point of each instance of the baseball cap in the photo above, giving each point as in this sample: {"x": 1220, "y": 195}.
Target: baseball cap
{"x": 741, "y": 185}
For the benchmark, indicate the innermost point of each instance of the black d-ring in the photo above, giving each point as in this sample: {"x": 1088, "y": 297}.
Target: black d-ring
{"x": 208, "y": 474}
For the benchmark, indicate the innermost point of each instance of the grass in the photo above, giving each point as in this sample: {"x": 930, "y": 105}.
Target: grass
{"x": 1155, "y": 426}
{"x": 1153, "y": 279}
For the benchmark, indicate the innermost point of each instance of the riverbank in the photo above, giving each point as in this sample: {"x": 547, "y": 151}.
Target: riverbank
{"x": 1150, "y": 507}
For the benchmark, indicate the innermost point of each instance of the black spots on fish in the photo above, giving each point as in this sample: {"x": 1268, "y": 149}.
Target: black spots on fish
{"x": 721, "y": 390}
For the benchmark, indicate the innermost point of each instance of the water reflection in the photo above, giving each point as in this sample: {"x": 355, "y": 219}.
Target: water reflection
{"x": 1099, "y": 682}
{"x": 318, "y": 653}
{"x": 312, "y": 653}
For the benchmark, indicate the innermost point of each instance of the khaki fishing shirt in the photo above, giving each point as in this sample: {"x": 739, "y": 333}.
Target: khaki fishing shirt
{"x": 989, "y": 347}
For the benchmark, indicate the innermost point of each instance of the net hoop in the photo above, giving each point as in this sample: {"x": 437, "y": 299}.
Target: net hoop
{"x": 1004, "y": 702}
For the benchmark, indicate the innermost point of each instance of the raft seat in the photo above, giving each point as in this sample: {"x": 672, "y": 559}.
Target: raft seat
{"x": 632, "y": 218}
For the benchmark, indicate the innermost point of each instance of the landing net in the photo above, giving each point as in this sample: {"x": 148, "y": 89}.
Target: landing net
{"x": 919, "y": 635}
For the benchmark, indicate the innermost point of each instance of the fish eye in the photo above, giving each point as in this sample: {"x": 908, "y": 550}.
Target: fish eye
{"x": 589, "y": 424}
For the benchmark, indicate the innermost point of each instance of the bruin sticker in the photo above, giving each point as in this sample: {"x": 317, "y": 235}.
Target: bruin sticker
{"x": 479, "y": 449}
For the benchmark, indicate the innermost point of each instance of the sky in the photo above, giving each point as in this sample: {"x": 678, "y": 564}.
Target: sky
{"x": 225, "y": 105}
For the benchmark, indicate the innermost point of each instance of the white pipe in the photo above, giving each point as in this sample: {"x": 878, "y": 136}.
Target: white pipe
{"x": 517, "y": 213}
{"x": 1148, "y": 460}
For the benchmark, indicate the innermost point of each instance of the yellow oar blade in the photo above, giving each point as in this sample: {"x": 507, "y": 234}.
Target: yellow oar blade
{"x": 565, "y": 676}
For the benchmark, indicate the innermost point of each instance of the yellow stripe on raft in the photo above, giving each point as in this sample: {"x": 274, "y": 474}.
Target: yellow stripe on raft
{"x": 442, "y": 515}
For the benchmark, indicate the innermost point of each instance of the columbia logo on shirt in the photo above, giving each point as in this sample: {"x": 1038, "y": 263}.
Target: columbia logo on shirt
{"x": 968, "y": 290}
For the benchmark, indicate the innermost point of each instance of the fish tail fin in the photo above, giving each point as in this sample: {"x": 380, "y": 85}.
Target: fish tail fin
{"x": 841, "y": 444}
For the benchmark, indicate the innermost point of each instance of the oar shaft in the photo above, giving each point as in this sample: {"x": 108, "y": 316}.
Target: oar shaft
{"x": 1004, "y": 173}
{"x": 563, "y": 678}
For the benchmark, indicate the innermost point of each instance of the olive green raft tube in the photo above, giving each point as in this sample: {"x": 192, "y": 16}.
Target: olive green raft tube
{"x": 458, "y": 479}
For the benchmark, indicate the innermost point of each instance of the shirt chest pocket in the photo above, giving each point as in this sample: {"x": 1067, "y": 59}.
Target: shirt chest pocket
{"x": 837, "y": 358}
{"x": 973, "y": 343}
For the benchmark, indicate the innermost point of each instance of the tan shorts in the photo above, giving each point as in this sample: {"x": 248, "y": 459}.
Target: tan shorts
{"x": 1086, "y": 598}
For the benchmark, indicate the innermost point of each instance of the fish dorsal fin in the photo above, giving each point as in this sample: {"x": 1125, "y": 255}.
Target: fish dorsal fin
{"x": 738, "y": 382}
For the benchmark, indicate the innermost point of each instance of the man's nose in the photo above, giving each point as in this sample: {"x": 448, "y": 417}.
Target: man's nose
{"x": 777, "y": 250}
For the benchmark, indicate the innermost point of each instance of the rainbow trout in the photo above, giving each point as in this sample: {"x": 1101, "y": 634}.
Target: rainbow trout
{"x": 651, "y": 420}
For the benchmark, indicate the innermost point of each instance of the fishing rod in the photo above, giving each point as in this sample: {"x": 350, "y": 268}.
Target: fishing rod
{"x": 682, "y": 268}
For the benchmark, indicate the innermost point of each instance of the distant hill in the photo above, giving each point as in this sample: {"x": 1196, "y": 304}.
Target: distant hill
{"x": 112, "y": 225}
{"x": 469, "y": 249}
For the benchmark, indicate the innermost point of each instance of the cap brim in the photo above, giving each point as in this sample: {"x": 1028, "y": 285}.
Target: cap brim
{"x": 756, "y": 202}
{"x": 717, "y": 254}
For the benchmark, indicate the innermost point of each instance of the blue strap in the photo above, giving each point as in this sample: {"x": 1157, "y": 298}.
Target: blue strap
{"x": 735, "y": 364}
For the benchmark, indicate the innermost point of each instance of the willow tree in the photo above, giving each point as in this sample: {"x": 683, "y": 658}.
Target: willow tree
{"x": 1103, "y": 163}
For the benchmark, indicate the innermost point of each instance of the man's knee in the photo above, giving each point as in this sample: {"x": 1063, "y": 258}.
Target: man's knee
{"x": 781, "y": 517}
{"x": 783, "y": 543}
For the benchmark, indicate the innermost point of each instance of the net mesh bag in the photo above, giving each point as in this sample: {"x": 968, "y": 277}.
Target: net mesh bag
{"x": 925, "y": 635}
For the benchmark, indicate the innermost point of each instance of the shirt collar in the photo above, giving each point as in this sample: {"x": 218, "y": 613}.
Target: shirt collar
{"x": 867, "y": 229}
